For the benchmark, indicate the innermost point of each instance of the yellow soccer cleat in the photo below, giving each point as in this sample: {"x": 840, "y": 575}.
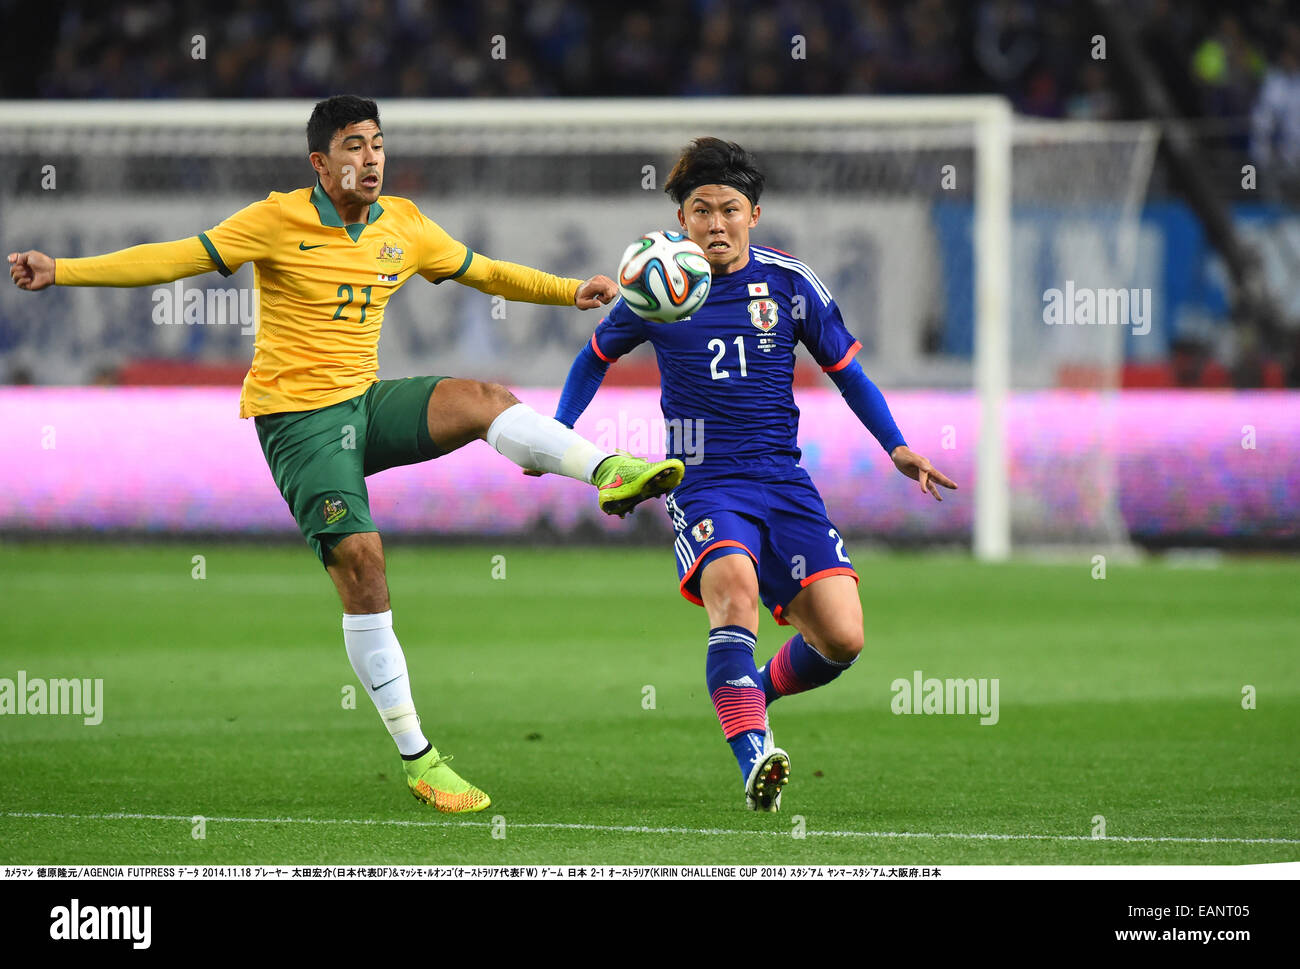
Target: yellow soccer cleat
{"x": 623, "y": 481}
{"x": 433, "y": 782}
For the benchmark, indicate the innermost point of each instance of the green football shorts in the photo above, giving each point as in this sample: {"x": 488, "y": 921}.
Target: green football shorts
{"x": 321, "y": 458}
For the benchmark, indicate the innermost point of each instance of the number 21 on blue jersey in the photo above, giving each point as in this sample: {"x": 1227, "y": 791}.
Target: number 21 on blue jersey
{"x": 720, "y": 350}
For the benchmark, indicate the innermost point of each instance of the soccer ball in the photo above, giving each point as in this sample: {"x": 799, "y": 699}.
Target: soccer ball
{"x": 664, "y": 277}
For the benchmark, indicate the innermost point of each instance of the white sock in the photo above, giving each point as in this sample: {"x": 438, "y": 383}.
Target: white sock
{"x": 381, "y": 667}
{"x": 543, "y": 443}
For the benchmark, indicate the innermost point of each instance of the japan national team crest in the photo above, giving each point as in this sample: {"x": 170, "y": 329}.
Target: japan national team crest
{"x": 703, "y": 531}
{"x": 762, "y": 313}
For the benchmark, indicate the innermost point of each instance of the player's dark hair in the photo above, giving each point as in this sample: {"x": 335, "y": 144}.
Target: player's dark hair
{"x": 712, "y": 161}
{"x": 334, "y": 114}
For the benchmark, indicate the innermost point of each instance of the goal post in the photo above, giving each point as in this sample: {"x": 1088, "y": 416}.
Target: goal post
{"x": 992, "y": 526}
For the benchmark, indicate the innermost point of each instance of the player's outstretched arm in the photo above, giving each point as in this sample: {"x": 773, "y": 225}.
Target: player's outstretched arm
{"x": 442, "y": 257}
{"x": 868, "y": 403}
{"x": 918, "y": 468}
{"x": 523, "y": 284}
{"x": 31, "y": 270}
{"x": 146, "y": 265}
{"x": 585, "y": 377}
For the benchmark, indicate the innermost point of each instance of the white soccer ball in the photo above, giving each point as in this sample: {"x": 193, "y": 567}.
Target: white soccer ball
{"x": 664, "y": 277}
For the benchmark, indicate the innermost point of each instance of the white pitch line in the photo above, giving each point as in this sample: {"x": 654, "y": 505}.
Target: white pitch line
{"x": 635, "y": 829}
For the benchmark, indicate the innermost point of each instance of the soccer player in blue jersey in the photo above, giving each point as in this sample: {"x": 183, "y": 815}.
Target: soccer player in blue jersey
{"x": 749, "y": 522}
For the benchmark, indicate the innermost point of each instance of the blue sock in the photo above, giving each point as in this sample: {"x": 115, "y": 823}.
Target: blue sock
{"x": 797, "y": 667}
{"x": 748, "y": 747}
{"x": 737, "y": 693}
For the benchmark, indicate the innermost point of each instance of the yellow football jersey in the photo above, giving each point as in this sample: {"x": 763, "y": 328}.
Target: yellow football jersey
{"x": 321, "y": 285}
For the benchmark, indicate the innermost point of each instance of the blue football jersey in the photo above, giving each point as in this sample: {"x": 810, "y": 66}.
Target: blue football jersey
{"x": 727, "y": 370}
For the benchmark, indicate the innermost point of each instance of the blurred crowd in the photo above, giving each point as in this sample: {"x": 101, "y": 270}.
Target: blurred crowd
{"x": 1217, "y": 58}
{"x": 1239, "y": 65}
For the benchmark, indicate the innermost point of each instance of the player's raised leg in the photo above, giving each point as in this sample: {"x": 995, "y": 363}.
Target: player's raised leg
{"x": 729, "y": 589}
{"x": 462, "y": 410}
{"x": 356, "y": 564}
{"x": 828, "y": 615}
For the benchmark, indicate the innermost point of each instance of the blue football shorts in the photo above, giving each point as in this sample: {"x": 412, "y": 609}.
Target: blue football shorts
{"x": 781, "y": 525}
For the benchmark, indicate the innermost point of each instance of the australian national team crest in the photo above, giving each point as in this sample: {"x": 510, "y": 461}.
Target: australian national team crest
{"x": 333, "y": 510}
{"x": 390, "y": 261}
{"x": 703, "y": 531}
{"x": 762, "y": 313}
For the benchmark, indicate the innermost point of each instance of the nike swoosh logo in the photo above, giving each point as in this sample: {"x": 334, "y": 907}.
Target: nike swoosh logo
{"x": 613, "y": 484}
{"x": 386, "y": 682}
{"x": 304, "y": 247}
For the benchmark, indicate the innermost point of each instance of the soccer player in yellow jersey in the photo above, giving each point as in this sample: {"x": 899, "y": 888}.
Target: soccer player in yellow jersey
{"x": 326, "y": 259}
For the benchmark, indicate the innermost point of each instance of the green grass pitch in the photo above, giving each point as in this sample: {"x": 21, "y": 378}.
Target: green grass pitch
{"x": 223, "y": 697}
